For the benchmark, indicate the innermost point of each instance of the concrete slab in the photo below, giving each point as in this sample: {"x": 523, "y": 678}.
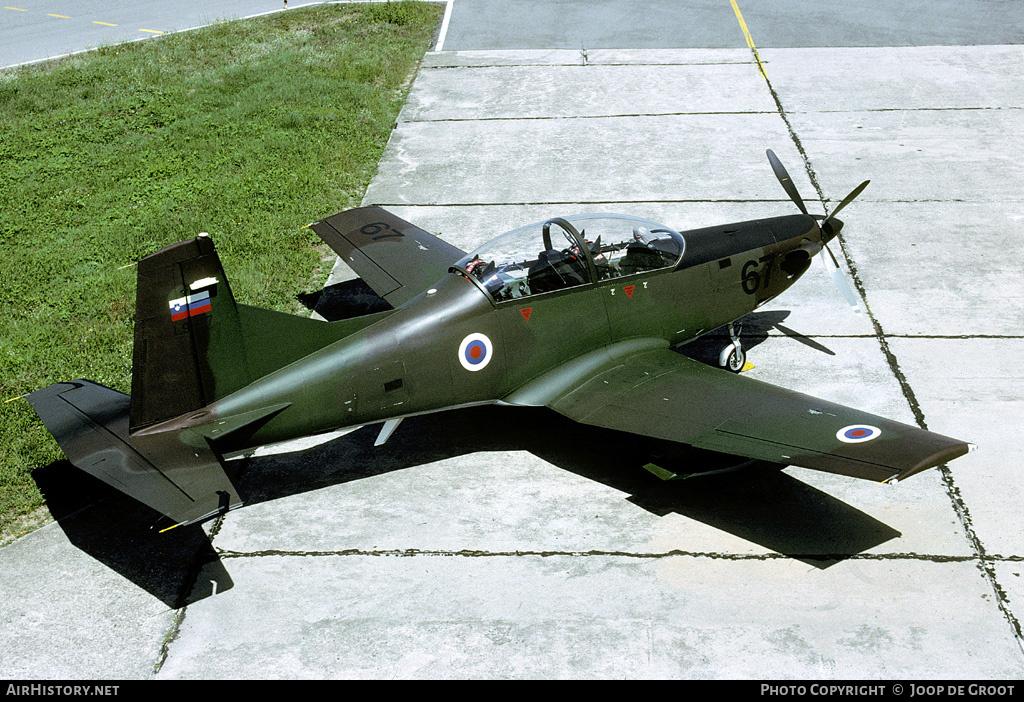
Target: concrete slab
{"x": 905, "y": 152}
{"x": 973, "y": 384}
{"x": 483, "y": 58}
{"x": 67, "y": 616}
{"x": 926, "y": 277}
{"x": 897, "y": 78}
{"x": 538, "y": 92}
{"x": 929, "y": 130}
{"x": 666, "y": 157}
{"x": 599, "y": 616}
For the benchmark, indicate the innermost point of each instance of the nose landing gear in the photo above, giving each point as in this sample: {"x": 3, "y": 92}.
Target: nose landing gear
{"x": 733, "y": 357}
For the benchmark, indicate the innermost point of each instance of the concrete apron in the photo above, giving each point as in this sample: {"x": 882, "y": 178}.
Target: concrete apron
{"x": 494, "y": 543}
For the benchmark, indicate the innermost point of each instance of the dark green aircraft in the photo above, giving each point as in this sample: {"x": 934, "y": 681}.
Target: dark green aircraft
{"x": 577, "y": 314}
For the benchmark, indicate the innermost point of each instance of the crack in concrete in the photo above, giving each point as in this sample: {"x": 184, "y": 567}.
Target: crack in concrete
{"x": 169, "y": 638}
{"x": 194, "y": 570}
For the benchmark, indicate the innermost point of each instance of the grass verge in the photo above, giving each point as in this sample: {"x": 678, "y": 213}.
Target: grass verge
{"x": 247, "y": 130}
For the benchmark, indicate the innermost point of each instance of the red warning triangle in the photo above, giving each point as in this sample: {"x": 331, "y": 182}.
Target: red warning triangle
{"x": 526, "y": 312}
{"x": 629, "y": 291}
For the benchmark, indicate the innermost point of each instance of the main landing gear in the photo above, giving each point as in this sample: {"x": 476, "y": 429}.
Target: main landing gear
{"x": 733, "y": 357}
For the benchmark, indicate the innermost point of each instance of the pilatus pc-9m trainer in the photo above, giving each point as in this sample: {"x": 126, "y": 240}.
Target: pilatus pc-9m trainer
{"x": 577, "y": 314}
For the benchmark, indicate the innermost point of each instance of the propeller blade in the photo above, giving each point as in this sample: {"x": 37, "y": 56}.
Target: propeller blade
{"x": 832, "y": 266}
{"x": 839, "y": 279}
{"x": 786, "y": 181}
{"x": 847, "y": 200}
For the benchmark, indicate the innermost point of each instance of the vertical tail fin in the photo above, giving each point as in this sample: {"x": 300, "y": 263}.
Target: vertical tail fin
{"x": 189, "y": 348}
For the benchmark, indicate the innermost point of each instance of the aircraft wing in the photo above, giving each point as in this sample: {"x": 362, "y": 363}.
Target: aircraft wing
{"x": 395, "y": 258}
{"x": 659, "y": 393}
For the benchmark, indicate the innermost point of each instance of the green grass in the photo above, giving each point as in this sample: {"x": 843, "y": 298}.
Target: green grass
{"x": 247, "y": 130}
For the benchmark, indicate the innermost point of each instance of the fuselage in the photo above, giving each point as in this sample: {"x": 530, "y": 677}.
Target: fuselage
{"x": 459, "y": 344}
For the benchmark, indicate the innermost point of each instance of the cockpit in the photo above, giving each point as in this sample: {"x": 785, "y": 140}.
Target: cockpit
{"x": 566, "y": 252}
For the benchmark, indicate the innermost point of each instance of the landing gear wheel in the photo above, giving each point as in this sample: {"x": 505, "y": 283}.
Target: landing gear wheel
{"x": 733, "y": 357}
{"x": 736, "y": 359}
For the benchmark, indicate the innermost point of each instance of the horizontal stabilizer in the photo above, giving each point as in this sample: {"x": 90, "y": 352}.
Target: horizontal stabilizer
{"x": 90, "y": 423}
{"x": 398, "y": 260}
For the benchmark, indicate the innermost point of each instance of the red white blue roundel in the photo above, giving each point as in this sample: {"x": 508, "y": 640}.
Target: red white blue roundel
{"x": 858, "y": 433}
{"x": 475, "y": 352}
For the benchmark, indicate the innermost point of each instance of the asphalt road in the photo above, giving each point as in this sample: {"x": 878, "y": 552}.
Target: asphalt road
{"x": 35, "y": 30}
{"x": 497, "y": 543}
{"x": 712, "y": 24}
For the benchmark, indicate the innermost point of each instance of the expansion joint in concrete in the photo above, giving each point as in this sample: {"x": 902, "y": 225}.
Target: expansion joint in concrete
{"x": 624, "y": 115}
{"x": 985, "y": 561}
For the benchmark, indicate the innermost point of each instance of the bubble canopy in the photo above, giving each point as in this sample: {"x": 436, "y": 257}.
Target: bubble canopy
{"x": 561, "y": 253}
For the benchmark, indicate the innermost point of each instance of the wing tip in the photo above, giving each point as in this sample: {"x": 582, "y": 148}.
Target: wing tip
{"x": 938, "y": 458}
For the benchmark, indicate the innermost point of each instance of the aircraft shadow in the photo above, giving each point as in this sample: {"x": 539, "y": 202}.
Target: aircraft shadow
{"x": 120, "y": 532}
{"x": 760, "y": 504}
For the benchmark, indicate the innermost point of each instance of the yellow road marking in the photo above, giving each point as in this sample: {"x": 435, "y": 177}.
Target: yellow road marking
{"x": 105, "y": 24}
{"x": 151, "y": 31}
{"x": 50, "y": 14}
{"x": 750, "y": 39}
{"x": 17, "y": 9}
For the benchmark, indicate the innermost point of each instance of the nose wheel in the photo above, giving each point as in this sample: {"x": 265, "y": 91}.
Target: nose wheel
{"x": 733, "y": 357}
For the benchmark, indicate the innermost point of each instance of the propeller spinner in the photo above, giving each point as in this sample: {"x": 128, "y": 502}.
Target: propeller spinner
{"x": 832, "y": 266}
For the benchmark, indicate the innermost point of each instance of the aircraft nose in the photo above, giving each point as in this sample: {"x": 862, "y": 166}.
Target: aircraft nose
{"x": 830, "y": 229}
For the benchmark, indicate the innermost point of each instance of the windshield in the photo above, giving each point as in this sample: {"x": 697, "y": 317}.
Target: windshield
{"x": 549, "y": 255}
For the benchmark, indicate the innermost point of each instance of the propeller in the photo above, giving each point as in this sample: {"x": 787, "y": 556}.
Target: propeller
{"x": 830, "y": 262}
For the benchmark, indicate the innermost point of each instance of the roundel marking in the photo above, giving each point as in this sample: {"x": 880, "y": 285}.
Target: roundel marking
{"x": 475, "y": 352}
{"x": 858, "y": 433}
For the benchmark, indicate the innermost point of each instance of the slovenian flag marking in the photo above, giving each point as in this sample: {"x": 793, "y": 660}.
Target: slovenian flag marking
{"x": 190, "y": 306}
